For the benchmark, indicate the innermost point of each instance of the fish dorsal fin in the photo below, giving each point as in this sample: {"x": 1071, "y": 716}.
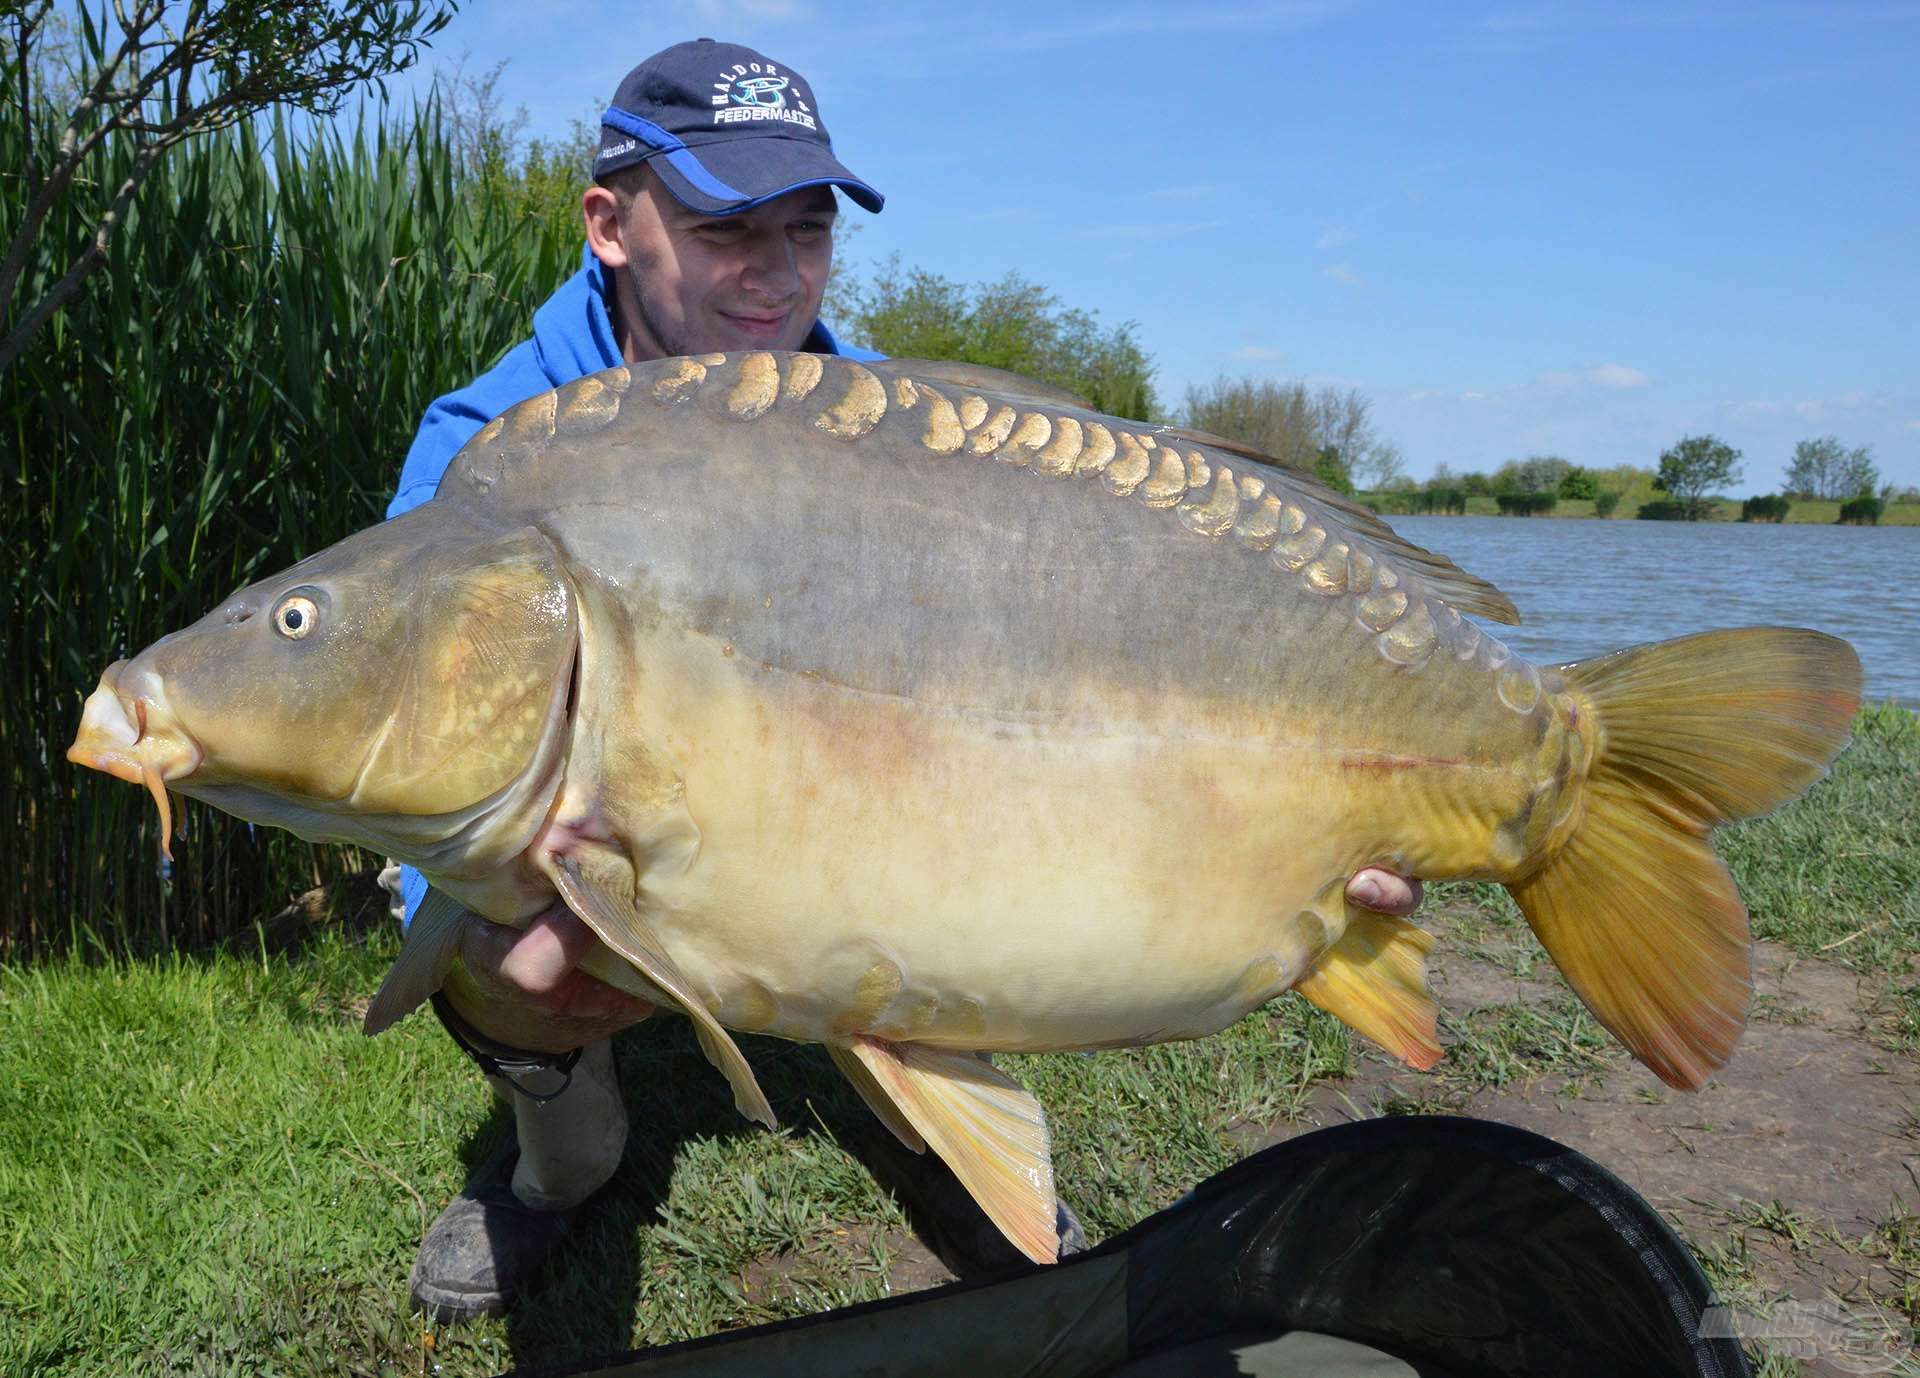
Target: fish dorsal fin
{"x": 1013, "y": 387}
{"x": 433, "y": 935}
{"x": 1375, "y": 980}
{"x": 983, "y": 1124}
{"x": 876, "y": 1097}
{"x": 598, "y": 887}
{"x": 1466, "y": 592}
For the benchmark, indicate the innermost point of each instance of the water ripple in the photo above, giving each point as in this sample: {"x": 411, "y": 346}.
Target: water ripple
{"x": 1585, "y": 587}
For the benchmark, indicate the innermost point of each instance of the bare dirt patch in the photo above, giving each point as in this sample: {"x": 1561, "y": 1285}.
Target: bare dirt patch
{"x": 910, "y": 1266}
{"x": 1795, "y": 1171}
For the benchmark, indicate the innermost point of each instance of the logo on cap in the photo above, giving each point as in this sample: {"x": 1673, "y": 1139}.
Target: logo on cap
{"x": 757, "y": 91}
{"x": 760, "y": 91}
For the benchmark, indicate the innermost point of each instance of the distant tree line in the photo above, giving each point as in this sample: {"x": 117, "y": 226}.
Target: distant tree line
{"x": 1686, "y": 486}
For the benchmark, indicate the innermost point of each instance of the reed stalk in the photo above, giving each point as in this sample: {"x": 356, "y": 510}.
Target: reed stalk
{"x": 235, "y": 390}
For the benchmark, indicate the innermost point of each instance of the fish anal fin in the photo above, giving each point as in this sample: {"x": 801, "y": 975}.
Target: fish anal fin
{"x": 1375, "y": 980}
{"x": 876, "y": 1096}
{"x": 986, "y": 1127}
{"x": 433, "y": 937}
{"x": 598, "y": 888}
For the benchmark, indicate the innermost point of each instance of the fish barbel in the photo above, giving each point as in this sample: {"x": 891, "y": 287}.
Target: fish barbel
{"x": 925, "y": 713}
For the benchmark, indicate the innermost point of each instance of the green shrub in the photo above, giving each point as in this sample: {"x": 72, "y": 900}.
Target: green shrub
{"x": 1662, "y": 510}
{"x": 1604, "y": 504}
{"x": 1771, "y": 507}
{"x": 1579, "y": 485}
{"x": 1525, "y": 504}
{"x": 1444, "y": 498}
{"x": 235, "y": 389}
{"x": 1862, "y": 511}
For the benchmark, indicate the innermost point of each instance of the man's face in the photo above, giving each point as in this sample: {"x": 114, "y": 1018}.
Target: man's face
{"x": 691, "y": 283}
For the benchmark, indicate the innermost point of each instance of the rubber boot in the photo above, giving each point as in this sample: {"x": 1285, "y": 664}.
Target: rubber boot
{"x": 494, "y": 1237}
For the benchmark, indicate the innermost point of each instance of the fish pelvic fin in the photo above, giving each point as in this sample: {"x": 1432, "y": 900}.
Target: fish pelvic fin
{"x": 1635, "y": 907}
{"x": 986, "y": 1127}
{"x": 876, "y": 1096}
{"x": 599, "y": 888}
{"x": 1375, "y": 981}
{"x": 433, "y": 936}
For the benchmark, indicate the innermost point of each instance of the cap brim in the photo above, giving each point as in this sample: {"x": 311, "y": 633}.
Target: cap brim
{"x": 730, "y": 175}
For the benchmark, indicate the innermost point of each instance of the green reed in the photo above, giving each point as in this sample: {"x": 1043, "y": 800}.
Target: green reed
{"x": 235, "y": 390}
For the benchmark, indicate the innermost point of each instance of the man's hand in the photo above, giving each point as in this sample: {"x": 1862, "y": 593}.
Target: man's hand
{"x": 1381, "y": 890}
{"x": 525, "y": 988}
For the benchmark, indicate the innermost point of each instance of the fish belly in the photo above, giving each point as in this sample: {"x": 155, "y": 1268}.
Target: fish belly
{"x": 875, "y": 864}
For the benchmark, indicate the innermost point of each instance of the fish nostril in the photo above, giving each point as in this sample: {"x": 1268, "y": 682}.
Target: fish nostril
{"x": 238, "y": 613}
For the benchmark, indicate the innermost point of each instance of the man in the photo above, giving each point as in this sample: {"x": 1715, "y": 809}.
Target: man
{"x": 709, "y": 228}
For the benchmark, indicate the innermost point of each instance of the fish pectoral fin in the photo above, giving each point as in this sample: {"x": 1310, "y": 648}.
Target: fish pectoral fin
{"x": 876, "y": 1096}
{"x": 1375, "y": 981}
{"x": 983, "y": 1123}
{"x": 598, "y": 889}
{"x": 433, "y": 935}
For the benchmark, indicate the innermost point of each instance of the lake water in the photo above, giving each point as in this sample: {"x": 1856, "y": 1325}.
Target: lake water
{"x": 1584, "y": 587}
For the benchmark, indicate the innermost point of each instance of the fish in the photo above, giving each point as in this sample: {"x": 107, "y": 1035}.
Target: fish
{"x": 925, "y": 713}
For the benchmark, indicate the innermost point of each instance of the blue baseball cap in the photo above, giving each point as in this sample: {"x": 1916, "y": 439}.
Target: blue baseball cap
{"x": 724, "y": 128}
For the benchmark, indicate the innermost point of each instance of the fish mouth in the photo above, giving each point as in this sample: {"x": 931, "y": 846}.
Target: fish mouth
{"x": 127, "y": 731}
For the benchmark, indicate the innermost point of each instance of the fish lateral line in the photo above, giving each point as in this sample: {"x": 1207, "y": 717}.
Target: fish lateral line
{"x": 1388, "y": 761}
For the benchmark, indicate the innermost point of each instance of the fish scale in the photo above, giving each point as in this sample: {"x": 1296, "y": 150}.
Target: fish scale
{"x": 1124, "y": 460}
{"x": 924, "y": 712}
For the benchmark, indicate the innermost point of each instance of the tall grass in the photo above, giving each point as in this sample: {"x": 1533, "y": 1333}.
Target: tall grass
{"x": 233, "y": 391}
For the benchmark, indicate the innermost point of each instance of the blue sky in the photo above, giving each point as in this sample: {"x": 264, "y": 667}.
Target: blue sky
{"x": 1569, "y": 228}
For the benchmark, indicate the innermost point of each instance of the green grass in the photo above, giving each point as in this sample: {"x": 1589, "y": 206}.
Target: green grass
{"x": 1837, "y": 874}
{"x": 205, "y": 1168}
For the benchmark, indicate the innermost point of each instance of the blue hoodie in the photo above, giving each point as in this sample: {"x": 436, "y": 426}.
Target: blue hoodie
{"x": 572, "y": 337}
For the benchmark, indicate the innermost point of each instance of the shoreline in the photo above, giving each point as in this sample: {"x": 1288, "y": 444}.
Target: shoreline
{"x": 1726, "y": 512}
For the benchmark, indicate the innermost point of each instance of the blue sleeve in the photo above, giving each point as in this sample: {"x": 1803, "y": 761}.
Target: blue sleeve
{"x": 451, "y": 421}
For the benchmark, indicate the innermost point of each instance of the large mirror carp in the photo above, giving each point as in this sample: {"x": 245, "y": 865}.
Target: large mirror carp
{"x": 925, "y": 714}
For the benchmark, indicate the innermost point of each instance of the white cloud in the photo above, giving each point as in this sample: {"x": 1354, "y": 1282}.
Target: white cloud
{"x": 1617, "y": 376}
{"x": 1333, "y": 237}
{"x": 1268, "y": 354}
{"x": 1340, "y": 272}
{"x": 1612, "y": 377}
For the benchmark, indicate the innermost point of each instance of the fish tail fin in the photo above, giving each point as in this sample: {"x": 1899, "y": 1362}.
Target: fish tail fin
{"x": 1635, "y": 907}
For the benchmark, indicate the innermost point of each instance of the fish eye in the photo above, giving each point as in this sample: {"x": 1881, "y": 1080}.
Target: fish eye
{"x": 295, "y": 617}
